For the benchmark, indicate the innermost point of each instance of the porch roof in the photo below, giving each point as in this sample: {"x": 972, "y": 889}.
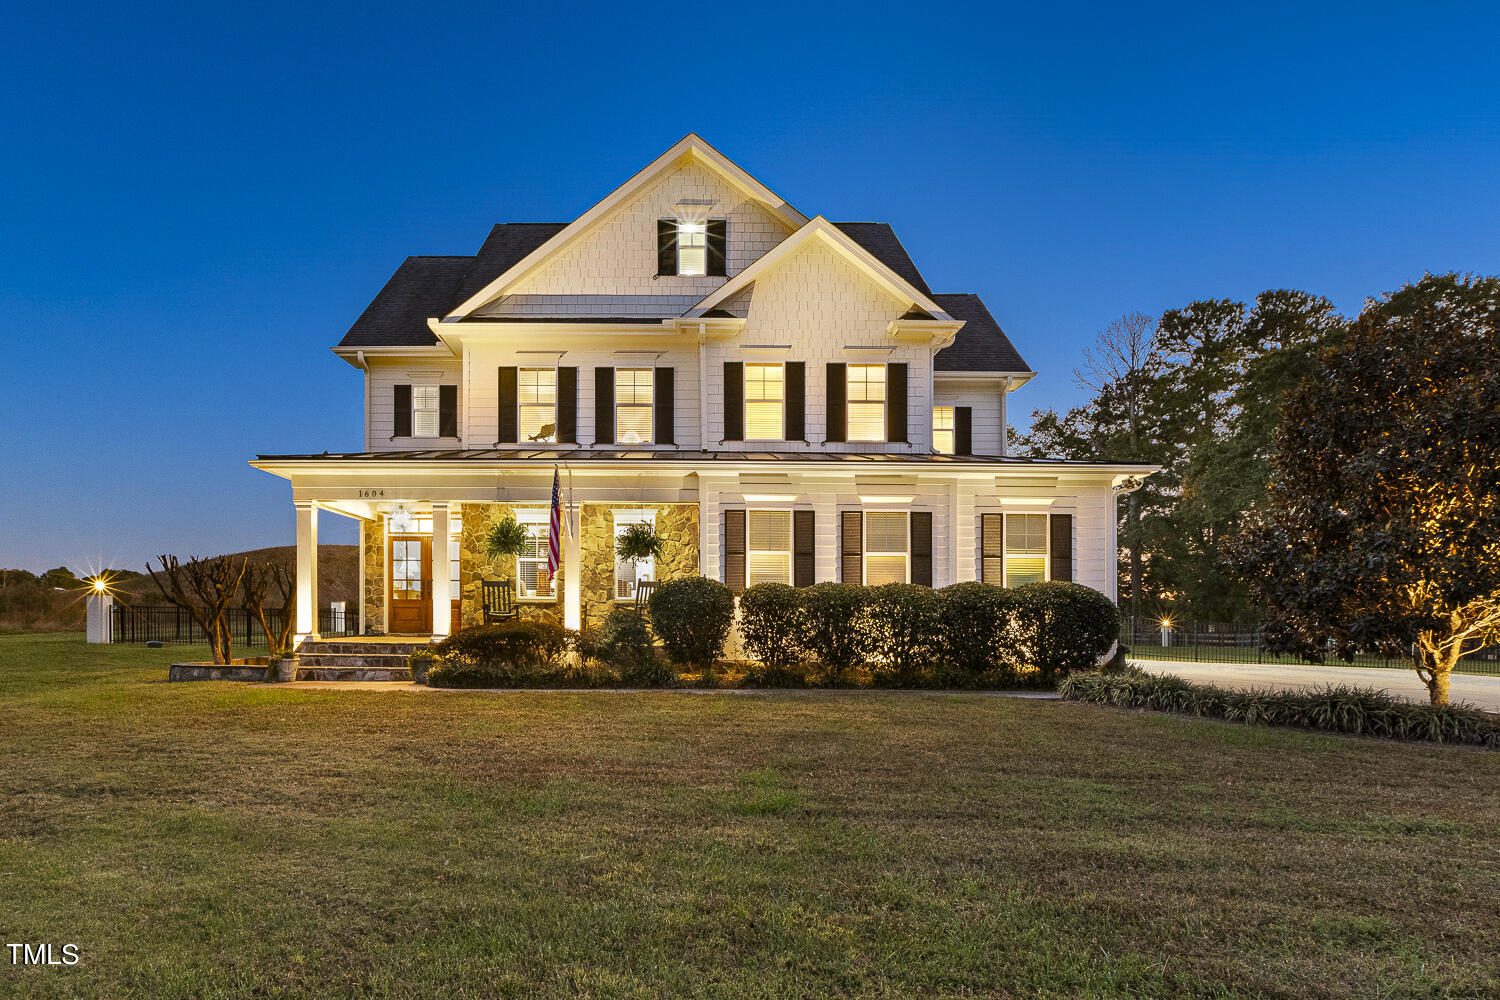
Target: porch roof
{"x": 588, "y": 455}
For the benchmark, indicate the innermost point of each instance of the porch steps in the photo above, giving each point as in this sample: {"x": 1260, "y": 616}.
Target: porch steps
{"x": 355, "y": 660}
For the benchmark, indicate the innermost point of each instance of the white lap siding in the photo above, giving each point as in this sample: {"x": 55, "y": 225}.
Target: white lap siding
{"x": 986, "y": 402}
{"x": 382, "y": 377}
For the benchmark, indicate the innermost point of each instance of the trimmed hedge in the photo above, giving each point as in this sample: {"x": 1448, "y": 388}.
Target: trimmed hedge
{"x": 692, "y": 617}
{"x": 833, "y": 624}
{"x": 624, "y": 640}
{"x": 771, "y": 624}
{"x": 976, "y": 622}
{"x": 1064, "y": 626}
{"x": 1338, "y": 709}
{"x": 904, "y": 627}
{"x": 514, "y": 654}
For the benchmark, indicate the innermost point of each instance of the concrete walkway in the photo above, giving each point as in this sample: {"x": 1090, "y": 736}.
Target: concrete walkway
{"x": 1479, "y": 690}
{"x": 411, "y": 688}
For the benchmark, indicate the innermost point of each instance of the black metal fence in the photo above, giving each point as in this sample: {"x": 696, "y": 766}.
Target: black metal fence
{"x": 173, "y": 626}
{"x": 1221, "y": 642}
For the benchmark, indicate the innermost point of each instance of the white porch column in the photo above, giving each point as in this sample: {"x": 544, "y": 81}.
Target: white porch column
{"x": 307, "y": 571}
{"x": 442, "y": 600}
{"x": 572, "y": 568}
{"x": 965, "y": 533}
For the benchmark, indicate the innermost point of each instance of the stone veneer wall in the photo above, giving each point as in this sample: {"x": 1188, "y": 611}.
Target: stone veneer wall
{"x": 372, "y": 587}
{"x": 474, "y": 567}
{"x": 677, "y": 523}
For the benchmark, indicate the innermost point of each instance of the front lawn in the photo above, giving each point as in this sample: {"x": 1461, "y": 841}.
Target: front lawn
{"x": 220, "y": 839}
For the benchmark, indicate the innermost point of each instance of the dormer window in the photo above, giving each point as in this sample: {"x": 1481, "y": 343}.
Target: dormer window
{"x": 424, "y": 411}
{"x": 691, "y": 247}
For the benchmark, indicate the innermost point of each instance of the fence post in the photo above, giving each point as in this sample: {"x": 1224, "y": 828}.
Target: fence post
{"x": 100, "y": 618}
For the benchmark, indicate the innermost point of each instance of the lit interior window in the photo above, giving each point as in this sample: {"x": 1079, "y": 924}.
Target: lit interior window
{"x": 886, "y": 547}
{"x": 942, "y": 430}
{"x": 633, "y": 396}
{"x": 866, "y": 402}
{"x": 531, "y": 565}
{"x": 765, "y": 396}
{"x": 1025, "y": 549}
{"x": 537, "y": 388}
{"x": 629, "y": 572}
{"x": 768, "y": 546}
{"x": 692, "y": 248}
{"x": 424, "y": 411}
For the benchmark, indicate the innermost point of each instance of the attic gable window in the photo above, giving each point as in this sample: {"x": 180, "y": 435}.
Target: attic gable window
{"x": 691, "y": 247}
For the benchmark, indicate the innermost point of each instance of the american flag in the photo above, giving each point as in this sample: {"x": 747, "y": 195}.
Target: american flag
{"x": 556, "y": 530}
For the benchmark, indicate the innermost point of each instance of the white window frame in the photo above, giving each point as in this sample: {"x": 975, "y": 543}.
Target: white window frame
{"x": 791, "y": 568}
{"x": 645, "y": 569}
{"x": 747, "y": 400}
{"x": 864, "y": 544}
{"x": 951, "y": 430}
{"x": 1006, "y": 515}
{"x": 700, "y": 228}
{"x": 651, "y": 389}
{"x": 521, "y": 406}
{"x": 435, "y": 410}
{"x": 538, "y": 522}
{"x": 850, "y": 401}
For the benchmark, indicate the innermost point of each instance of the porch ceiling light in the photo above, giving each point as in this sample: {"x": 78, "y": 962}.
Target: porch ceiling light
{"x": 401, "y": 519}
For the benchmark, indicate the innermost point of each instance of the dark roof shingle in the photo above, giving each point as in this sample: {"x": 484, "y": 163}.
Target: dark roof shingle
{"x": 880, "y": 239}
{"x": 981, "y": 346}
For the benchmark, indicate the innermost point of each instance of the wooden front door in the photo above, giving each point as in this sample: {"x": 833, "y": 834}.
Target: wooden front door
{"x": 410, "y": 584}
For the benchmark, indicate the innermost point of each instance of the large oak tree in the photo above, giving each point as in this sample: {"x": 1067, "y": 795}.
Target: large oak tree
{"x": 1380, "y": 528}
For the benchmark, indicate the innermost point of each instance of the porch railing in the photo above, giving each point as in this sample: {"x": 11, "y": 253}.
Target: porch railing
{"x": 173, "y": 626}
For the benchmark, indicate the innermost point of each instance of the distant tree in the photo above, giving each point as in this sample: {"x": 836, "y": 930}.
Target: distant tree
{"x": 1381, "y": 525}
{"x": 203, "y": 588}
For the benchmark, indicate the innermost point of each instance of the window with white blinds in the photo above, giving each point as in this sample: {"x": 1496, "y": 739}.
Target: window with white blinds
{"x": 536, "y": 389}
{"x": 692, "y": 248}
{"x": 866, "y": 402}
{"x": 424, "y": 411}
{"x": 887, "y": 548}
{"x": 768, "y": 546}
{"x": 942, "y": 429}
{"x": 1025, "y": 549}
{"x": 629, "y": 572}
{"x": 765, "y": 402}
{"x": 634, "y": 394}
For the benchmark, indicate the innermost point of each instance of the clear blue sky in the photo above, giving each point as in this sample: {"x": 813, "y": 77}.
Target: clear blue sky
{"x": 198, "y": 200}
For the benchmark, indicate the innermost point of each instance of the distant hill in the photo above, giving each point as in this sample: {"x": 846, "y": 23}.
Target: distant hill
{"x": 338, "y": 574}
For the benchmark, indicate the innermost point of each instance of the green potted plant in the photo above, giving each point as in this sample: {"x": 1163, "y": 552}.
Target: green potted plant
{"x": 639, "y": 541}
{"x": 507, "y": 538}
{"x": 281, "y": 665}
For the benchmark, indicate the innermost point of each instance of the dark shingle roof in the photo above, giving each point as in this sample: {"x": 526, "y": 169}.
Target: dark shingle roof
{"x": 881, "y": 241}
{"x": 981, "y": 346}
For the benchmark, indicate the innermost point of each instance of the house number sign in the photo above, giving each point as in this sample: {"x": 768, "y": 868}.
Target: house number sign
{"x": 371, "y": 494}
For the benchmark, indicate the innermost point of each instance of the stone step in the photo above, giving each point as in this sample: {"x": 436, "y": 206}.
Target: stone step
{"x": 355, "y": 646}
{"x": 365, "y": 659}
{"x": 329, "y": 673}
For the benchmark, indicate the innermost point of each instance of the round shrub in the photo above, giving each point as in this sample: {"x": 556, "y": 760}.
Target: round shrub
{"x": 977, "y": 627}
{"x": 624, "y": 639}
{"x": 1064, "y": 626}
{"x": 905, "y": 629}
{"x": 833, "y": 624}
{"x": 770, "y": 621}
{"x": 692, "y": 617}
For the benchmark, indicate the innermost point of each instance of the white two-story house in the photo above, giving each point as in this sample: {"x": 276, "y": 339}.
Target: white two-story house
{"x": 783, "y": 397}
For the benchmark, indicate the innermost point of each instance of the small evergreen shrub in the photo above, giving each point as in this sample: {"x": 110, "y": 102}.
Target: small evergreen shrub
{"x": 516, "y": 645}
{"x": 1064, "y": 626}
{"x": 791, "y": 675}
{"x": 834, "y": 628}
{"x": 692, "y": 617}
{"x": 977, "y": 625}
{"x": 771, "y": 624}
{"x": 904, "y": 627}
{"x": 1339, "y": 709}
{"x": 624, "y": 639}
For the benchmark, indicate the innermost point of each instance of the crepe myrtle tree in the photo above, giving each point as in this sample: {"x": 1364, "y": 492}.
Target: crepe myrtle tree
{"x": 1381, "y": 525}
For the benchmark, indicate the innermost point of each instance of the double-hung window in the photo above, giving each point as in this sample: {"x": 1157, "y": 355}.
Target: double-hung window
{"x": 765, "y": 401}
{"x": 768, "y": 546}
{"x": 633, "y": 400}
{"x": 1025, "y": 549}
{"x": 692, "y": 248}
{"x": 532, "y": 579}
{"x": 866, "y": 402}
{"x": 629, "y": 572}
{"x": 537, "y": 392}
{"x": 424, "y": 411}
{"x": 887, "y": 548}
{"x": 942, "y": 429}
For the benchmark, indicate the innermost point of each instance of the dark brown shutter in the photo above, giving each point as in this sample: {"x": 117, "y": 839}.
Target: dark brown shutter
{"x": 509, "y": 416}
{"x": 604, "y": 406}
{"x": 734, "y": 550}
{"x": 448, "y": 411}
{"x": 992, "y": 549}
{"x": 402, "y": 427}
{"x": 921, "y": 547}
{"x": 567, "y": 405}
{"x": 666, "y": 247}
{"x": 734, "y": 401}
{"x": 851, "y": 545}
{"x": 803, "y": 559}
{"x": 796, "y": 401}
{"x": 1062, "y": 547}
{"x": 664, "y": 402}
{"x": 718, "y": 243}
{"x": 837, "y": 393}
{"x": 895, "y": 402}
{"x": 963, "y": 430}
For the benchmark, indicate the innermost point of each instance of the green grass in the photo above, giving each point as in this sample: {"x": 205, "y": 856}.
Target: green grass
{"x": 1143, "y": 650}
{"x": 221, "y": 839}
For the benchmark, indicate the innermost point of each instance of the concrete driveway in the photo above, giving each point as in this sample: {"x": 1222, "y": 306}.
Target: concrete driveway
{"x": 1479, "y": 690}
